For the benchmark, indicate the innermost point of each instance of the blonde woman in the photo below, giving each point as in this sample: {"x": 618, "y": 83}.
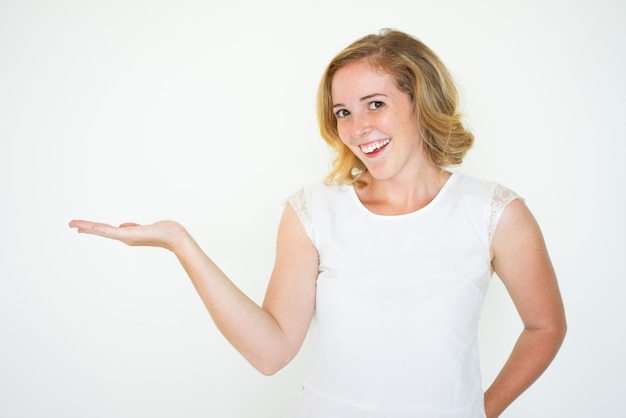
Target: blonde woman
{"x": 388, "y": 261}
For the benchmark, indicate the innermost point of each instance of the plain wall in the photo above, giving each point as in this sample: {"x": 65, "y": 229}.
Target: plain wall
{"x": 204, "y": 112}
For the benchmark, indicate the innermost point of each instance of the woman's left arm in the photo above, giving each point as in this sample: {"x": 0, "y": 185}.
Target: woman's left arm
{"x": 520, "y": 258}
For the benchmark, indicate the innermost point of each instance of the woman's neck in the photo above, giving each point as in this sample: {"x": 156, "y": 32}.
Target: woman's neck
{"x": 401, "y": 196}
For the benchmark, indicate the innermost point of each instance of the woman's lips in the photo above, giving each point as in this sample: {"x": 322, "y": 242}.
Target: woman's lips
{"x": 375, "y": 146}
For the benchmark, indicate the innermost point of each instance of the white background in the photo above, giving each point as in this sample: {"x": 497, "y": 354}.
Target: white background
{"x": 204, "y": 112}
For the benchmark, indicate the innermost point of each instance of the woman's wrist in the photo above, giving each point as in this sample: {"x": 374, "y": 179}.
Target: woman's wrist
{"x": 177, "y": 237}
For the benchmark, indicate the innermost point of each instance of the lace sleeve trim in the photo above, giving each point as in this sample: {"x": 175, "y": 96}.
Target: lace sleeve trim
{"x": 300, "y": 202}
{"x": 500, "y": 198}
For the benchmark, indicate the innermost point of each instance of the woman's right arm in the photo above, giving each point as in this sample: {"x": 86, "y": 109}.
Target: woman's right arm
{"x": 268, "y": 336}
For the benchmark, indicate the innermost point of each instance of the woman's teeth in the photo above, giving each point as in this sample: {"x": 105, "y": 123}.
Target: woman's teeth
{"x": 373, "y": 146}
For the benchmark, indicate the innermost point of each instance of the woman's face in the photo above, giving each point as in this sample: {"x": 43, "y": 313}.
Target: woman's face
{"x": 376, "y": 121}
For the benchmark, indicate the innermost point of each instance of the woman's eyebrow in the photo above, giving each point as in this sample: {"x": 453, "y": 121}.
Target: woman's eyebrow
{"x": 369, "y": 96}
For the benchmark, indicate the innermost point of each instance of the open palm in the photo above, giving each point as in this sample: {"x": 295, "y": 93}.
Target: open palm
{"x": 159, "y": 234}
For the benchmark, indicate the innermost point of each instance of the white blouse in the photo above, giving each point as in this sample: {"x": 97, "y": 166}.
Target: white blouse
{"x": 398, "y": 302}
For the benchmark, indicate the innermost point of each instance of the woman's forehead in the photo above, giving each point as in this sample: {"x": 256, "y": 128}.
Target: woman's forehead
{"x": 360, "y": 78}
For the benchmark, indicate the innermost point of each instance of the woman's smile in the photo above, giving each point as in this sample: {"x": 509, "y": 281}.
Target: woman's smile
{"x": 375, "y": 147}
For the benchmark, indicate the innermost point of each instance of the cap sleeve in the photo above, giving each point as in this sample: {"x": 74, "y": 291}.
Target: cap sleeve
{"x": 300, "y": 201}
{"x": 500, "y": 198}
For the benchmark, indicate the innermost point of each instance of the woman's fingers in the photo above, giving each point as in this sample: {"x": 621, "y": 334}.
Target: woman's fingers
{"x": 160, "y": 234}
{"x": 89, "y": 227}
{"x": 121, "y": 233}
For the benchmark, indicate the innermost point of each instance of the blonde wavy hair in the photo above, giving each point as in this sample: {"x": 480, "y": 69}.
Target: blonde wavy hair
{"x": 423, "y": 77}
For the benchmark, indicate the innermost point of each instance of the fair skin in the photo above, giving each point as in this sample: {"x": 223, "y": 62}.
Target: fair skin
{"x": 268, "y": 336}
{"x": 375, "y": 120}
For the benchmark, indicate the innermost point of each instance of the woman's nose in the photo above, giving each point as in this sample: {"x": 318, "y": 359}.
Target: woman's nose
{"x": 361, "y": 126}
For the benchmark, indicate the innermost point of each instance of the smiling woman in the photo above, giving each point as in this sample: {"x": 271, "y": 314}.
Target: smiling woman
{"x": 387, "y": 263}
{"x": 375, "y": 120}
{"x": 417, "y": 72}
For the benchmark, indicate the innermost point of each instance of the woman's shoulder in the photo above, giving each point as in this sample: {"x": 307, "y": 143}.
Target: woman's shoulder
{"x": 490, "y": 197}
{"x": 319, "y": 190}
{"x": 488, "y": 189}
{"x": 313, "y": 198}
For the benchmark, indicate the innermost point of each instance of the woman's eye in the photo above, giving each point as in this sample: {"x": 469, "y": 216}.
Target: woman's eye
{"x": 376, "y": 105}
{"x": 342, "y": 113}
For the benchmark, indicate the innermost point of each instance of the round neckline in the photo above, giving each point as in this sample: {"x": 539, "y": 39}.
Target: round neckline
{"x": 452, "y": 179}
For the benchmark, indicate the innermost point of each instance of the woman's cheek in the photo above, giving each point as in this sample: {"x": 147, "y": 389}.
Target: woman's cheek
{"x": 344, "y": 133}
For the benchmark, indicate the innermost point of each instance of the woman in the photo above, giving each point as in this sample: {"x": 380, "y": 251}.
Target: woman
{"x": 390, "y": 258}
